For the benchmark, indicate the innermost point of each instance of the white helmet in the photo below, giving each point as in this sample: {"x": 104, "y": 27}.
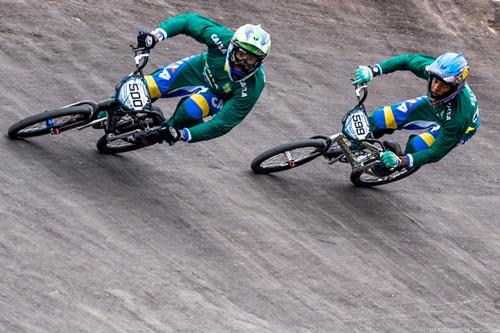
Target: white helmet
{"x": 248, "y": 48}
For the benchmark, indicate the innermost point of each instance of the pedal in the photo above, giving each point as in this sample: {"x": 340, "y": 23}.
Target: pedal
{"x": 101, "y": 123}
{"x": 380, "y": 170}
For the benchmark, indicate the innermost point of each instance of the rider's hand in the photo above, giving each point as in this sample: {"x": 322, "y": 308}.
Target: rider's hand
{"x": 148, "y": 138}
{"x": 390, "y": 160}
{"x": 363, "y": 74}
{"x": 170, "y": 134}
{"x": 146, "y": 40}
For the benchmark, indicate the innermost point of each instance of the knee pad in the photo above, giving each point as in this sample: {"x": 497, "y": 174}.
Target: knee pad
{"x": 419, "y": 142}
{"x": 384, "y": 119}
{"x": 196, "y": 107}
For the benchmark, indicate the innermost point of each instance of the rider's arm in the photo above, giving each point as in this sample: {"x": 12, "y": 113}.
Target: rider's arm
{"x": 449, "y": 135}
{"x": 415, "y": 63}
{"x": 463, "y": 124}
{"x": 232, "y": 113}
{"x": 191, "y": 24}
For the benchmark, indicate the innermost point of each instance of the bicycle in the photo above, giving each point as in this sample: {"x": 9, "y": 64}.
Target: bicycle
{"x": 128, "y": 113}
{"x": 354, "y": 145}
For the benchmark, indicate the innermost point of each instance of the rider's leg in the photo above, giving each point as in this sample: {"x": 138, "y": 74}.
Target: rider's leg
{"x": 387, "y": 119}
{"x": 409, "y": 114}
{"x": 193, "y": 109}
{"x": 422, "y": 141}
{"x": 183, "y": 78}
{"x": 178, "y": 79}
{"x": 384, "y": 120}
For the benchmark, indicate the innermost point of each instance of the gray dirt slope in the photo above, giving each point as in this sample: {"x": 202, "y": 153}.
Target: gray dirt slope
{"x": 187, "y": 239}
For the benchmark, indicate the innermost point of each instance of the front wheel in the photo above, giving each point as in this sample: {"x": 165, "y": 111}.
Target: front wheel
{"x": 51, "y": 122}
{"x": 125, "y": 128}
{"x": 117, "y": 146}
{"x": 288, "y": 156}
{"x": 378, "y": 175}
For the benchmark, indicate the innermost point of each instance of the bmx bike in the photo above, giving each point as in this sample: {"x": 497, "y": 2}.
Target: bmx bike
{"x": 354, "y": 145}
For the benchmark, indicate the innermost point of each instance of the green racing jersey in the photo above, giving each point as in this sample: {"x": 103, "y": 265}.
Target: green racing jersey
{"x": 239, "y": 96}
{"x": 458, "y": 119}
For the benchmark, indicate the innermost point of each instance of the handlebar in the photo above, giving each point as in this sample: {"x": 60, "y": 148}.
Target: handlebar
{"x": 361, "y": 93}
{"x": 141, "y": 58}
{"x": 141, "y": 53}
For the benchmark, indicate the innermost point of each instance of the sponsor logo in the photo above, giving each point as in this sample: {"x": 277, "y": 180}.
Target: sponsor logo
{"x": 219, "y": 44}
{"x": 165, "y": 74}
{"x": 169, "y": 70}
{"x": 149, "y": 41}
{"x": 448, "y": 111}
{"x": 173, "y": 132}
{"x": 227, "y": 88}
{"x": 217, "y": 103}
{"x": 445, "y": 113}
{"x": 244, "y": 89}
{"x": 403, "y": 108}
{"x": 465, "y": 73}
{"x": 207, "y": 73}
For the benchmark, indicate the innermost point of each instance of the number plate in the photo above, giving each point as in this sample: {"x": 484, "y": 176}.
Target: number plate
{"x": 356, "y": 125}
{"x": 133, "y": 94}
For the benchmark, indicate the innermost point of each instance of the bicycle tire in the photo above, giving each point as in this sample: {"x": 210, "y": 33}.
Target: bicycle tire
{"x": 356, "y": 178}
{"x": 106, "y": 147}
{"x": 313, "y": 149}
{"x": 78, "y": 115}
{"x": 114, "y": 147}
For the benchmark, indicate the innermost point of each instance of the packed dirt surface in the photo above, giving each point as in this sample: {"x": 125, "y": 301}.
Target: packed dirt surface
{"x": 187, "y": 238}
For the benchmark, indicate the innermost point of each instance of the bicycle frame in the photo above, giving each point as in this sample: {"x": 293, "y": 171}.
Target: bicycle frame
{"x": 359, "y": 162}
{"x": 358, "y": 133}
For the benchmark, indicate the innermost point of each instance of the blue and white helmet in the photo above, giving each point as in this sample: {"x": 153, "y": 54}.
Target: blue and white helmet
{"x": 451, "y": 68}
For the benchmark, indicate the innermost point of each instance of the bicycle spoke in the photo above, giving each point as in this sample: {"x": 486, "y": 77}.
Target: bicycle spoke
{"x": 289, "y": 157}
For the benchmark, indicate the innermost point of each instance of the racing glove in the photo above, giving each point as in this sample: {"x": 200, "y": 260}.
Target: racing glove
{"x": 362, "y": 75}
{"x": 365, "y": 74}
{"x": 390, "y": 160}
{"x": 146, "y": 40}
{"x": 165, "y": 133}
{"x": 149, "y": 40}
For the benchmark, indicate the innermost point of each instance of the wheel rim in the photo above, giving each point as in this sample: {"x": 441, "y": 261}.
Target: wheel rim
{"x": 52, "y": 124}
{"x": 290, "y": 158}
{"x": 120, "y": 144}
{"x": 368, "y": 176}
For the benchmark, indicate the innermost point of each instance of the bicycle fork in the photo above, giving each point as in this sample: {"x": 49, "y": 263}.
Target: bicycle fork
{"x": 358, "y": 163}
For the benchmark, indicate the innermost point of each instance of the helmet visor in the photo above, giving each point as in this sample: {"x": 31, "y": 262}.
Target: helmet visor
{"x": 250, "y": 48}
{"x": 440, "y": 91}
{"x": 245, "y": 61}
{"x": 440, "y": 87}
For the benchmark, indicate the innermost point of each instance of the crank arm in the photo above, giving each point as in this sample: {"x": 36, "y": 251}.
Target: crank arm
{"x": 112, "y": 137}
{"x": 359, "y": 167}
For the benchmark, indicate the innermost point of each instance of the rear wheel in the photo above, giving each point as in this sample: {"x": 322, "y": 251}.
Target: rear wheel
{"x": 288, "y": 156}
{"x": 378, "y": 175}
{"x": 51, "y": 122}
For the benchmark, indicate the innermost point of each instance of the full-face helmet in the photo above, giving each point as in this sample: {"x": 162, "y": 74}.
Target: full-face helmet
{"x": 248, "y": 48}
{"x": 449, "y": 68}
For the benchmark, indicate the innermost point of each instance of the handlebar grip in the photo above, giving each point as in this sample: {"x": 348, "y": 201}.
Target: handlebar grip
{"x": 361, "y": 93}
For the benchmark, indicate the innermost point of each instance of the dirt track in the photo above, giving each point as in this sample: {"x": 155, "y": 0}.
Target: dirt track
{"x": 187, "y": 239}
